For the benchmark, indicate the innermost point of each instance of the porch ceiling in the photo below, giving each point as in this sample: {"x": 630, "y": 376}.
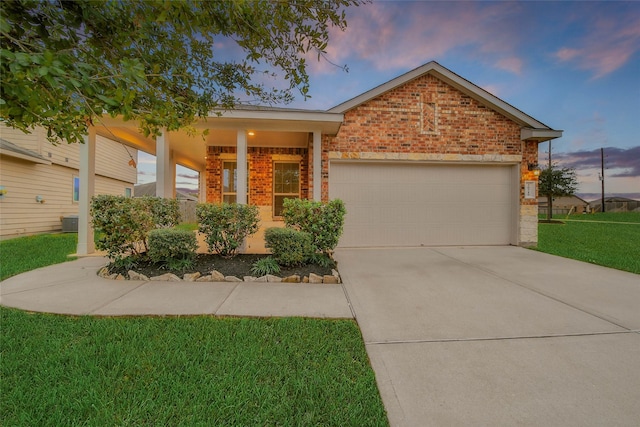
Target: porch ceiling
{"x": 271, "y": 128}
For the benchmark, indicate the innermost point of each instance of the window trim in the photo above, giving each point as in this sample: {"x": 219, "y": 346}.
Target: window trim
{"x": 273, "y": 185}
{"x": 234, "y": 193}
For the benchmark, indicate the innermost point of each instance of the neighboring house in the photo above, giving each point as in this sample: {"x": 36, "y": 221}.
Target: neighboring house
{"x": 564, "y": 205}
{"x": 41, "y": 181}
{"x": 616, "y": 204}
{"x": 149, "y": 189}
{"x": 426, "y": 159}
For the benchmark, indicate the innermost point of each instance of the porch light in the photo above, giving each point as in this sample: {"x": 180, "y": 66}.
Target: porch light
{"x": 251, "y": 133}
{"x": 535, "y": 168}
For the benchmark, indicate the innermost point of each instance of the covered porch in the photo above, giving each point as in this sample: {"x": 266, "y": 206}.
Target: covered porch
{"x": 257, "y": 156}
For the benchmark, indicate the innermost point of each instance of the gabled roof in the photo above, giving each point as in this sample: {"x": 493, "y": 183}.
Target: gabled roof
{"x": 8, "y": 148}
{"x": 532, "y": 128}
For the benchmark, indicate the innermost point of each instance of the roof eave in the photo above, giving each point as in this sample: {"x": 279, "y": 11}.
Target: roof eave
{"x": 539, "y": 135}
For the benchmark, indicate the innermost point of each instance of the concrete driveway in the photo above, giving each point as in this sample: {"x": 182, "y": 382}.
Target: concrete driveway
{"x": 497, "y": 336}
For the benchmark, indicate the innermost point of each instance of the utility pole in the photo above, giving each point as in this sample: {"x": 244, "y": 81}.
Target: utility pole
{"x": 602, "y": 175}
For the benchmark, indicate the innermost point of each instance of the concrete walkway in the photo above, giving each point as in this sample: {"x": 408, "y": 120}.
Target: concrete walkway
{"x": 74, "y": 288}
{"x": 497, "y": 336}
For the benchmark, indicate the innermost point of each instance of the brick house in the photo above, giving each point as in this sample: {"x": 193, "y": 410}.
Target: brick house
{"x": 427, "y": 158}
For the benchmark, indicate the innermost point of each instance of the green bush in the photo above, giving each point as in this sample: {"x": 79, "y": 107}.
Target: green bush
{"x": 265, "y": 266}
{"x": 123, "y": 223}
{"x": 323, "y": 221}
{"x": 289, "y": 247}
{"x": 226, "y": 225}
{"x": 172, "y": 248}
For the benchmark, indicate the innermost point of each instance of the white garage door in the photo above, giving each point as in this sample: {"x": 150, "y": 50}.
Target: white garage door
{"x": 396, "y": 204}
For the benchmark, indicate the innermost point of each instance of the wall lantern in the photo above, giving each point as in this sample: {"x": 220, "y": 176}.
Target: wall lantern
{"x": 533, "y": 167}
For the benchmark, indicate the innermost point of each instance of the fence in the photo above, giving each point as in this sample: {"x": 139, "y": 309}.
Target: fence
{"x": 188, "y": 210}
{"x": 629, "y": 206}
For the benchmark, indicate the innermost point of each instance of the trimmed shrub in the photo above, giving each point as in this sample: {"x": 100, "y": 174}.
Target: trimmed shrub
{"x": 289, "y": 247}
{"x": 226, "y": 225}
{"x": 172, "y": 247}
{"x": 323, "y": 221}
{"x": 123, "y": 223}
{"x": 265, "y": 266}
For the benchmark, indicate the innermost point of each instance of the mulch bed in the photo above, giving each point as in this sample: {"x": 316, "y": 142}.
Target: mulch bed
{"x": 238, "y": 266}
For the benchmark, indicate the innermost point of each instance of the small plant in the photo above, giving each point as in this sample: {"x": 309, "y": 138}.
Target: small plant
{"x": 226, "y": 225}
{"x": 323, "y": 221}
{"x": 322, "y": 260}
{"x": 265, "y": 266}
{"x": 289, "y": 247}
{"x": 172, "y": 247}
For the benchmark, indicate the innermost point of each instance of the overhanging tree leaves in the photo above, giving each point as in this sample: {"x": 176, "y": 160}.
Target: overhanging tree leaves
{"x": 556, "y": 182}
{"x": 65, "y": 63}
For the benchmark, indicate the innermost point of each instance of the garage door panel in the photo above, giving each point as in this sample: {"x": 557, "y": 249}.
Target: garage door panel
{"x": 392, "y": 204}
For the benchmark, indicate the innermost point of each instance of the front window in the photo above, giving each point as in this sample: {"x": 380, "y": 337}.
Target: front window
{"x": 230, "y": 181}
{"x": 286, "y": 184}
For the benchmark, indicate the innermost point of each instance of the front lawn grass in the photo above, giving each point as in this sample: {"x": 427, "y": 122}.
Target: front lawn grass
{"x": 28, "y": 253}
{"x": 61, "y": 370}
{"x": 612, "y": 244}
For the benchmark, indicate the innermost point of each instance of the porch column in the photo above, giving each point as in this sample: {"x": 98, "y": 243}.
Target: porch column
{"x": 165, "y": 168}
{"x": 202, "y": 185}
{"x": 87, "y": 175}
{"x": 317, "y": 166}
{"x": 241, "y": 167}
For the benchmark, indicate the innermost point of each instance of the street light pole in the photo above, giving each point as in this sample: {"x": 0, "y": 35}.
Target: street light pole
{"x": 602, "y": 175}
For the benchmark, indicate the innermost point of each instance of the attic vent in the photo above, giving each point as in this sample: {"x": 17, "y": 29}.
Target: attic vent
{"x": 428, "y": 117}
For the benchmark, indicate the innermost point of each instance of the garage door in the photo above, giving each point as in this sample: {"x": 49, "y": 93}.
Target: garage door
{"x": 399, "y": 204}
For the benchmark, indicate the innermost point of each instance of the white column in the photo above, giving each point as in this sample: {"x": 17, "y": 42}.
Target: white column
{"x": 87, "y": 177}
{"x": 165, "y": 168}
{"x": 241, "y": 167}
{"x": 317, "y": 166}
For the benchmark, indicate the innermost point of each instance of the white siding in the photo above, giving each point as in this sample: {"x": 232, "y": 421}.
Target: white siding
{"x": 23, "y": 180}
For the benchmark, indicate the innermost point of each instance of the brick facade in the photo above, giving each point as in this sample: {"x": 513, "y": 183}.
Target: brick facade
{"x": 260, "y": 171}
{"x": 428, "y": 120}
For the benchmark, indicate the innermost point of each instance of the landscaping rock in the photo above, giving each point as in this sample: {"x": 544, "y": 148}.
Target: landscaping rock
{"x": 104, "y": 272}
{"x": 262, "y": 279}
{"x": 292, "y": 279}
{"x": 167, "y": 277}
{"x": 314, "y": 278}
{"x": 191, "y": 277}
{"x": 305, "y": 279}
{"x": 204, "y": 279}
{"x": 216, "y": 276}
{"x": 329, "y": 278}
{"x": 119, "y": 277}
{"x": 136, "y": 276}
{"x": 249, "y": 279}
{"x": 336, "y": 275}
{"x": 273, "y": 279}
{"x": 232, "y": 279}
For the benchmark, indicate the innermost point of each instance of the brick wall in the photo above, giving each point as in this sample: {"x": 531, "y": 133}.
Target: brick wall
{"x": 260, "y": 171}
{"x": 426, "y": 119}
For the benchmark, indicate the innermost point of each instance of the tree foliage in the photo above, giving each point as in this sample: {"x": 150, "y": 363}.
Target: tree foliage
{"x": 555, "y": 181}
{"x": 66, "y": 63}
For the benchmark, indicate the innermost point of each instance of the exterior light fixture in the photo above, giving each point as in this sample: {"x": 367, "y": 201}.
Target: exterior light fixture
{"x": 533, "y": 167}
{"x": 251, "y": 133}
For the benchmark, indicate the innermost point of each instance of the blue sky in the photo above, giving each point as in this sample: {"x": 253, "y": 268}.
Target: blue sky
{"x": 574, "y": 66}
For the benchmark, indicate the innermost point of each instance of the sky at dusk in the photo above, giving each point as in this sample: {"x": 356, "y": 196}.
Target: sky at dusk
{"x": 574, "y": 66}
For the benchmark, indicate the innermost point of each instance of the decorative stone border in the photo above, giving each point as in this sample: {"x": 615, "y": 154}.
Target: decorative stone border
{"x": 216, "y": 276}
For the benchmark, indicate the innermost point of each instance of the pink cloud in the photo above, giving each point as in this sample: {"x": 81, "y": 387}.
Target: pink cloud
{"x": 402, "y": 36}
{"x": 607, "y": 47}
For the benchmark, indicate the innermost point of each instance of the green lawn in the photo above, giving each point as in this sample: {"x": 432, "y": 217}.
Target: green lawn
{"x": 62, "y": 370}
{"x": 614, "y": 243}
{"x": 28, "y": 253}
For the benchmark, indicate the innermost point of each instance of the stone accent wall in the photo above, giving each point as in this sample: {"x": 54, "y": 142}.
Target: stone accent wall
{"x": 428, "y": 120}
{"x": 260, "y": 171}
